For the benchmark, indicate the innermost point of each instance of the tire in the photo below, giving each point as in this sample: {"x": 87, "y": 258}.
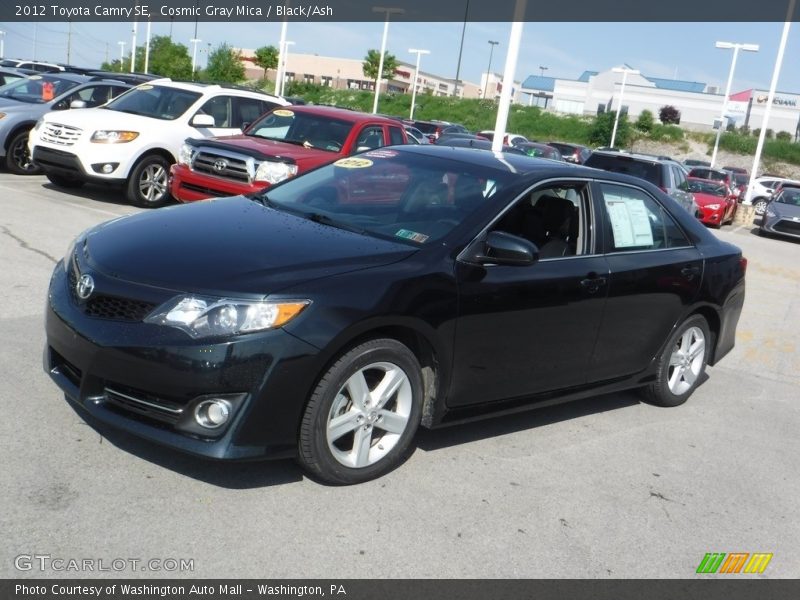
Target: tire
{"x": 760, "y": 205}
{"x": 18, "y": 158}
{"x": 64, "y": 181}
{"x": 148, "y": 183}
{"x": 344, "y": 440}
{"x": 678, "y": 374}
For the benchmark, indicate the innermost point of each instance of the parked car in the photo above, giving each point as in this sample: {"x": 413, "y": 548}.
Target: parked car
{"x": 714, "y": 200}
{"x": 10, "y": 75}
{"x": 692, "y": 162}
{"x": 415, "y": 136}
{"x": 34, "y": 65}
{"x": 281, "y": 144}
{"x": 574, "y": 153}
{"x": 763, "y": 189}
{"x": 665, "y": 174}
{"x": 435, "y": 285}
{"x": 24, "y": 102}
{"x": 724, "y": 177}
{"x": 509, "y": 139}
{"x": 477, "y": 143}
{"x": 133, "y": 140}
{"x": 540, "y": 150}
{"x": 782, "y": 215}
{"x": 434, "y": 129}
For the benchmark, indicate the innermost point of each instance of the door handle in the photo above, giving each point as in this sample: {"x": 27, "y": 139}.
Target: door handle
{"x": 592, "y": 284}
{"x": 690, "y": 271}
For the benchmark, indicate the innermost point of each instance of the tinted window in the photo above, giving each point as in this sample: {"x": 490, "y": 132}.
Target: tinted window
{"x": 249, "y": 109}
{"x": 635, "y": 221}
{"x": 308, "y": 129}
{"x": 155, "y": 101}
{"x": 369, "y": 139}
{"x": 628, "y": 165}
{"x": 92, "y": 95}
{"x": 218, "y": 107}
{"x": 789, "y": 196}
{"x": 395, "y": 136}
{"x": 38, "y": 89}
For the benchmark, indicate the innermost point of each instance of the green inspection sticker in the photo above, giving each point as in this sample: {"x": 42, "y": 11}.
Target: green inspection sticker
{"x": 411, "y": 235}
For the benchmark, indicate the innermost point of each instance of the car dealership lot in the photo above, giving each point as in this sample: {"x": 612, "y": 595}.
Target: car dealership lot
{"x": 605, "y": 487}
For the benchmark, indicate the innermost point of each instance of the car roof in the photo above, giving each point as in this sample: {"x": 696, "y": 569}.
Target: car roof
{"x": 344, "y": 114}
{"x": 651, "y": 158}
{"x": 197, "y": 86}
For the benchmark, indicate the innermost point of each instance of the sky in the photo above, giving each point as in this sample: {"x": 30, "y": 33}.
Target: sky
{"x": 672, "y": 50}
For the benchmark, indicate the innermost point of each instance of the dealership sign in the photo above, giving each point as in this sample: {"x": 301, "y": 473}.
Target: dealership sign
{"x": 762, "y": 98}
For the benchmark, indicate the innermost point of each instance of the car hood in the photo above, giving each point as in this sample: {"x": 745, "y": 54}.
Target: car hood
{"x": 11, "y": 106}
{"x": 230, "y": 245}
{"x": 706, "y": 199}
{"x": 102, "y": 118}
{"x": 271, "y": 149}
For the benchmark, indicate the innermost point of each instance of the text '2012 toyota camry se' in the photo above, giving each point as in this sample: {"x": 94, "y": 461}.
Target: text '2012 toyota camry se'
{"x": 330, "y": 316}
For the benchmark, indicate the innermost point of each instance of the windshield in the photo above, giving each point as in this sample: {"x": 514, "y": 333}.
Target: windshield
{"x": 789, "y": 196}
{"x": 707, "y": 187}
{"x": 158, "y": 102}
{"x": 402, "y": 196}
{"x": 37, "y": 89}
{"x": 304, "y": 129}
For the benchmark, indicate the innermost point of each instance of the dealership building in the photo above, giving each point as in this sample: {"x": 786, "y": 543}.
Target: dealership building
{"x": 699, "y": 104}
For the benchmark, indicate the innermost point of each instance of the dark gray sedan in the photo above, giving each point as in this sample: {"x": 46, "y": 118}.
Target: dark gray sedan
{"x": 782, "y": 215}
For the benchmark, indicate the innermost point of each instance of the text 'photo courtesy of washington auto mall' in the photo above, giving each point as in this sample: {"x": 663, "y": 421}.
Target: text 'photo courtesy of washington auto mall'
{"x": 383, "y": 291}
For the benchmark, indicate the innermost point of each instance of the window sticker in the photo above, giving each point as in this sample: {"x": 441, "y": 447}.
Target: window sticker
{"x": 630, "y": 223}
{"x": 353, "y": 163}
{"x": 283, "y": 113}
{"x": 411, "y": 235}
{"x": 381, "y": 154}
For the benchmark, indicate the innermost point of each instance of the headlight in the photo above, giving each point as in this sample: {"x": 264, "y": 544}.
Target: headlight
{"x": 275, "y": 172}
{"x": 713, "y": 206}
{"x": 201, "y": 316}
{"x": 113, "y": 137}
{"x": 185, "y": 154}
{"x": 2, "y": 115}
{"x": 771, "y": 213}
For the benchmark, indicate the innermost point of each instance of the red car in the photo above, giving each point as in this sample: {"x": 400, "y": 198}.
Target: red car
{"x": 282, "y": 143}
{"x": 714, "y": 200}
{"x": 720, "y": 176}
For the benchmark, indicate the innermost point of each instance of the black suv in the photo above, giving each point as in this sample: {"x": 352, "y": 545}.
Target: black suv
{"x": 574, "y": 153}
{"x": 667, "y": 174}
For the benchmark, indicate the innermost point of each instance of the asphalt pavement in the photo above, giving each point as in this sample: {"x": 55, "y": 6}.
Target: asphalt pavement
{"x": 607, "y": 487}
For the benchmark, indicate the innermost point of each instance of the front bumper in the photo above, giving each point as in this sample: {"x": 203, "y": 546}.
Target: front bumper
{"x": 146, "y": 379}
{"x": 188, "y": 186}
{"x": 711, "y": 217}
{"x": 62, "y": 162}
{"x": 785, "y": 226}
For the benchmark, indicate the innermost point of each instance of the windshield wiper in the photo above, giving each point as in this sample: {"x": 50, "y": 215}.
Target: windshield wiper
{"x": 326, "y": 220}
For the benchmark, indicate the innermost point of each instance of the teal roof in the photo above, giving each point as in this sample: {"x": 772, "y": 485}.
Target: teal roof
{"x": 538, "y": 82}
{"x": 677, "y": 85}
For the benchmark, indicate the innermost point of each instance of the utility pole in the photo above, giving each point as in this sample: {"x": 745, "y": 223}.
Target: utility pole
{"x": 106, "y": 61}
{"x": 69, "y": 42}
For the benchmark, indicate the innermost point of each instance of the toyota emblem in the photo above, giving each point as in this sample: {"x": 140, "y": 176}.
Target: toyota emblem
{"x": 220, "y": 164}
{"x": 85, "y": 287}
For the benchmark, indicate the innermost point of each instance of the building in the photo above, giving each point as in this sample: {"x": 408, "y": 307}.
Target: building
{"x": 699, "y": 104}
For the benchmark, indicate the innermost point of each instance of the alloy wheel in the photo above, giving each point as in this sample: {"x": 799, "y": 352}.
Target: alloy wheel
{"x": 153, "y": 183}
{"x": 686, "y": 361}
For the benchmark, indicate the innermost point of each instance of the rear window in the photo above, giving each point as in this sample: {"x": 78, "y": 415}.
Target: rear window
{"x": 627, "y": 165}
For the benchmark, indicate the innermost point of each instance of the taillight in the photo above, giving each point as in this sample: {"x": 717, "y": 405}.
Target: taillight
{"x": 743, "y": 264}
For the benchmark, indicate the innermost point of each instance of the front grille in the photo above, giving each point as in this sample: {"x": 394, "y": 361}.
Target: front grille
{"x": 223, "y": 166}
{"x": 203, "y": 189}
{"x": 147, "y": 405}
{"x": 120, "y": 309}
{"x": 61, "y": 135}
{"x": 787, "y": 227}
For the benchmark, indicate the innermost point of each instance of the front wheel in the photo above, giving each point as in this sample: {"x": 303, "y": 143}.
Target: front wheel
{"x": 18, "y": 158}
{"x": 681, "y": 364}
{"x": 363, "y": 414}
{"x": 760, "y": 205}
{"x": 148, "y": 184}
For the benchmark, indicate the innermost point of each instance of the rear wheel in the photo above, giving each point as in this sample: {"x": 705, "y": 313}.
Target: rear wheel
{"x": 148, "y": 183}
{"x": 760, "y": 205}
{"x": 363, "y": 414}
{"x": 18, "y": 158}
{"x": 682, "y": 363}
{"x": 64, "y": 181}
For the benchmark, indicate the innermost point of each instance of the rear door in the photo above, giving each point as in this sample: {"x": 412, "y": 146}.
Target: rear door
{"x": 654, "y": 275}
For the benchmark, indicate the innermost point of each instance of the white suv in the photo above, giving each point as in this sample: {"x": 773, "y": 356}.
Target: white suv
{"x": 135, "y": 138}
{"x": 762, "y": 189}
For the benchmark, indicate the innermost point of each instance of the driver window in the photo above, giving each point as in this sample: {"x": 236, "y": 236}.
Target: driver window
{"x": 369, "y": 139}
{"x": 555, "y": 218}
{"x": 218, "y": 107}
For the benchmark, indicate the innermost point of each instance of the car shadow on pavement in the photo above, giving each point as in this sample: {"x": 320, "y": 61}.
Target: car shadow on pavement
{"x": 106, "y": 194}
{"x": 226, "y": 474}
{"x": 429, "y": 440}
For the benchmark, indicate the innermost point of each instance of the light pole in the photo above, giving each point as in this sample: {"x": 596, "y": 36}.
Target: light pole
{"x": 121, "y": 55}
{"x": 285, "y": 55}
{"x": 542, "y": 69}
{"x": 492, "y": 44}
{"x": 722, "y": 119}
{"x": 625, "y": 72}
{"x": 2, "y": 44}
{"x": 194, "y": 42}
{"x": 388, "y": 11}
{"x": 419, "y": 54}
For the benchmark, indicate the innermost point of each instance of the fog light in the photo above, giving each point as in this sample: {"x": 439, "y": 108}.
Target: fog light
{"x": 105, "y": 168}
{"x": 212, "y": 413}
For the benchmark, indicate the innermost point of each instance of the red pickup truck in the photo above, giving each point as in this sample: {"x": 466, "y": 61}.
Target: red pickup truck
{"x": 282, "y": 143}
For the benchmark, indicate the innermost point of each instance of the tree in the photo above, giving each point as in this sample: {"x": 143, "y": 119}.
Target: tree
{"x": 784, "y": 136}
{"x": 114, "y": 65}
{"x": 600, "y": 133}
{"x": 224, "y": 64}
{"x": 645, "y": 121}
{"x": 166, "y": 59}
{"x": 371, "y": 62}
{"x": 669, "y": 115}
{"x": 266, "y": 58}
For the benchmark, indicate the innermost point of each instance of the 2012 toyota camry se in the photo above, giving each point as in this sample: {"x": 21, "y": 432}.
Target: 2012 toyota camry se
{"x": 331, "y": 316}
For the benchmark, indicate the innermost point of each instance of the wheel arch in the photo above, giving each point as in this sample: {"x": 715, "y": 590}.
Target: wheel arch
{"x": 711, "y": 315}
{"x": 18, "y": 128}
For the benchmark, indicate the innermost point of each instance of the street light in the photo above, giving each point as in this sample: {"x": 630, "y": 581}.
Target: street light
{"x": 2, "y": 44}
{"x": 492, "y": 44}
{"x": 722, "y": 119}
{"x": 285, "y": 55}
{"x": 419, "y": 54}
{"x": 121, "y": 54}
{"x": 194, "y": 42}
{"x": 543, "y": 69}
{"x": 388, "y": 11}
{"x": 625, "y": 72}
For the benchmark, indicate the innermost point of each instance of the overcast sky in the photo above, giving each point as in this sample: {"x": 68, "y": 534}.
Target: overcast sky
{"x": 672, "y": 50}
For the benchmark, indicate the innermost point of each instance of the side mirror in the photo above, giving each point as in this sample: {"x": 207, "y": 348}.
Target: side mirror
{"x": 77, "y": 104}
{"x": 363, "y": 148}
{"x": 245, "y": 125}
{"x": 203, "y": 121}
{"x": 501, "y": 248}
{"x": 62, "y": 105}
